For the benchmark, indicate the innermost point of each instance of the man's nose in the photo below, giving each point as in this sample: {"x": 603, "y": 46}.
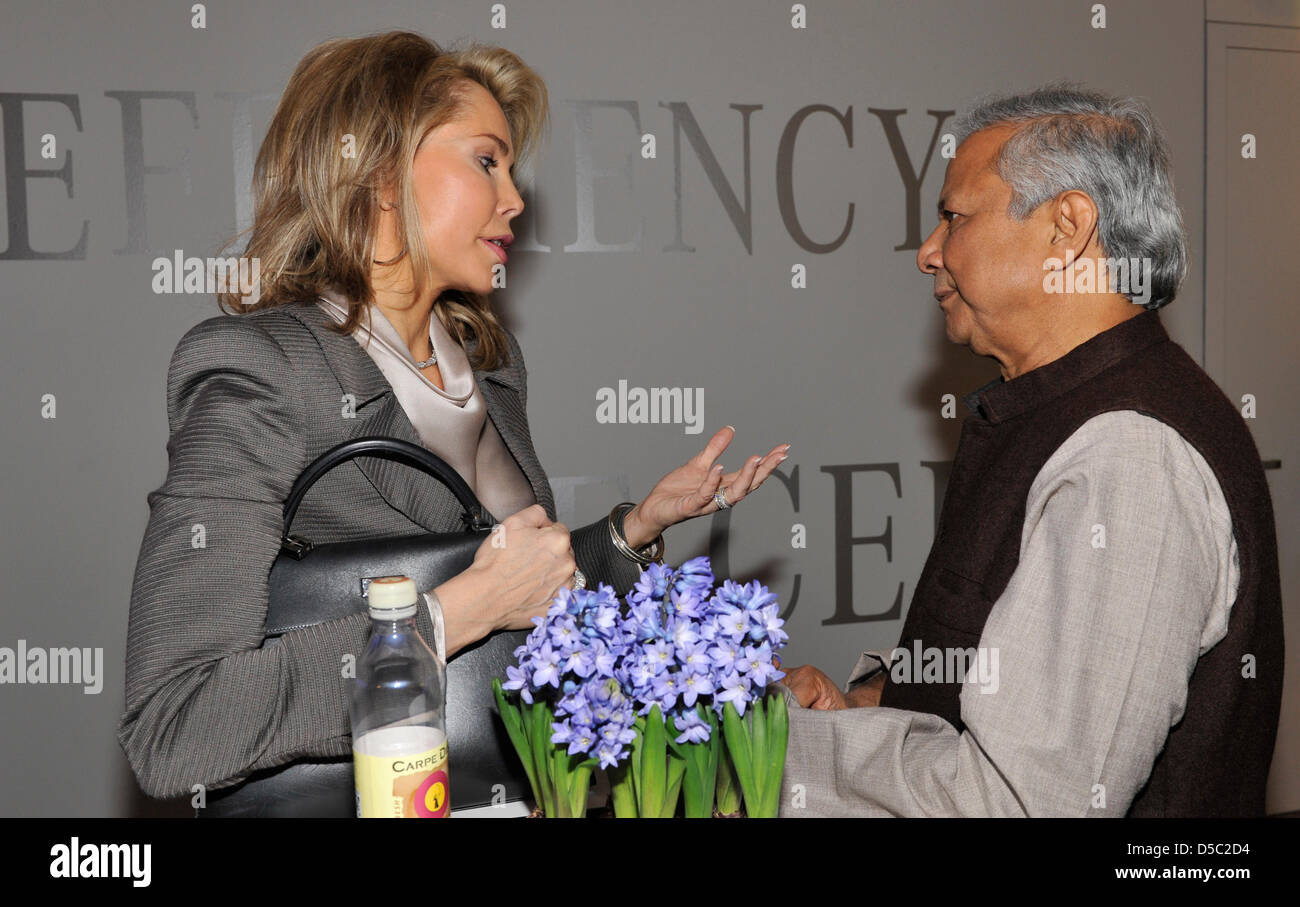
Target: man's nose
{"x": 929, "y": 258}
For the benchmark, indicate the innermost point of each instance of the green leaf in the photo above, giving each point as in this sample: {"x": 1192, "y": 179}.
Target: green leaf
{"x": 579, "y": 787}
{"x": 709, "y": 770}
{"x": 779, "y": 727}
{"x": 700, "y": 783}
{"x": 758, "y": 754}
{"x": 540, "y": 743}
{"x": 676, "y": 771}
{"x": 635, "y": 758}
{"x": 728, "y": 790}
{"x": 738, "y": 745}
{"x": 514, "y": 723}
{"x": 560, "y": 767}
{"x": 622, "y": 791}
{"x": 700, "y": 779}
{"x": 693, "y": 789}
{"x": 653, "y": 765}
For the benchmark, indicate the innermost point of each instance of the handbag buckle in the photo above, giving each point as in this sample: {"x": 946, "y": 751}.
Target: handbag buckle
{"x": 295, "y": 547}
{"x": 476, "y": 521}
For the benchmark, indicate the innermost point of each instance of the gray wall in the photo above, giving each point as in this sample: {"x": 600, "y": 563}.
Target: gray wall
{"x": 850, "y": 370}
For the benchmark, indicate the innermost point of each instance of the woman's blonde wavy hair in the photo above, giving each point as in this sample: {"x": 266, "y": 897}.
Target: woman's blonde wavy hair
{"x": 317, "y": 208}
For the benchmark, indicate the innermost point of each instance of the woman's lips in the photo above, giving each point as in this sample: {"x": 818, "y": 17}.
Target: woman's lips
{"x": 501, "y": 253}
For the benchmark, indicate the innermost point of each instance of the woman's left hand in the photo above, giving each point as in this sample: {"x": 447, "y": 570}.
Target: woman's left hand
{"x": 688, "y": 490}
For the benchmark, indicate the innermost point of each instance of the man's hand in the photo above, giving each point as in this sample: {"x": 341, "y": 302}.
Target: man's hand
{"x": 813, "y": 689}
{"x": 866, "y": 694}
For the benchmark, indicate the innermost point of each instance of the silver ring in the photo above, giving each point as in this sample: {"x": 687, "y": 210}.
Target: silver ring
{"x": 720, "y": 498}
{"x": 579, "y": 581}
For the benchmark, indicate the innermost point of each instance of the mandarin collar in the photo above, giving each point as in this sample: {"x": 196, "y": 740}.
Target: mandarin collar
{"x": 1000, "y": 400}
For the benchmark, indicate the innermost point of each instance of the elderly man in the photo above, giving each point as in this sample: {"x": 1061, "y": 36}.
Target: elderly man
{"x": 1097, "y": 630}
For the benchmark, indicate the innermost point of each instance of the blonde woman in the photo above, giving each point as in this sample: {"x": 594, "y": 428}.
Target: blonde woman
{"x": 385, "y": 191}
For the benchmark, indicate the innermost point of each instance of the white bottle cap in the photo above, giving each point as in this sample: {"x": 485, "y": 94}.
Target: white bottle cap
{"x": 392, "y": 597}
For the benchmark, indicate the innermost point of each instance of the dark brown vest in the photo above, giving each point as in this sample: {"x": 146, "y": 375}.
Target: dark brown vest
{"x": 1215, "y": 760}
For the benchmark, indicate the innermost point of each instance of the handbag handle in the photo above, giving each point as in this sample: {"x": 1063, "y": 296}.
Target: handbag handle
{"x": 475, "y": 516}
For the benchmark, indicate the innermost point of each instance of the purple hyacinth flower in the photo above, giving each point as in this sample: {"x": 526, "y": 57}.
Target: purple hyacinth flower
{"x": 666, "y": 690}
{"x": 724, "y": 655}
{"x": 757, "y": 663}
{"x": 684, "y": 633}
{"x": 691, "y": 727}
{"x": 609, "y": 754}
{"x": 694, "y": 657}
{"x": 517, "y": 679}
{"x": 734, "y": 622}
{"x": 546, "y": 667}
{"x": 734, "y": 690}
{"x": 562, "y": 732}
{"x": 694, "y": 686}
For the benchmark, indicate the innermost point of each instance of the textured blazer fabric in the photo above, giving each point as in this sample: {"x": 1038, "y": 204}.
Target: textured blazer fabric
{"x": 251, "y": 400}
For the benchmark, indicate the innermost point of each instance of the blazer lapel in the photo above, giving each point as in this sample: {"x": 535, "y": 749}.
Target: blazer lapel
{"x": 504, "y": 397}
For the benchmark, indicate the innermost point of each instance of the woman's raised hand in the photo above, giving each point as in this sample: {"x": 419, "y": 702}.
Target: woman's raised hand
{"x": 688, "y": 491}
{"x": 517, "y": 571}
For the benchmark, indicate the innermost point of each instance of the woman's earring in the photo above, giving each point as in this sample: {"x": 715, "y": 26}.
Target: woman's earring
{"x": 390, "y": 206}
{"x": 392, "y": 261}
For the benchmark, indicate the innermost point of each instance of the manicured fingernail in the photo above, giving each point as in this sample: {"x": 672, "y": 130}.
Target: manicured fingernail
{"x": 784, "y": 457}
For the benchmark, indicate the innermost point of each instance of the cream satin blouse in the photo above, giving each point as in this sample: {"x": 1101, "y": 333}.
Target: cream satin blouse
{"x": 452, "y": 422}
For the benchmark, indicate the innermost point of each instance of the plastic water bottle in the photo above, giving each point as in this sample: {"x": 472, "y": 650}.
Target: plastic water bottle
{"x": 397, "y": 708}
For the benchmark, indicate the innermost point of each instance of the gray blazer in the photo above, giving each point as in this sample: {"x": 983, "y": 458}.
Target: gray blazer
{"x": 251, "y": 400}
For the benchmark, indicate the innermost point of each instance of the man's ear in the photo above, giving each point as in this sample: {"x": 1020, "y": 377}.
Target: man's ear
{"x": 1074, "y": 224}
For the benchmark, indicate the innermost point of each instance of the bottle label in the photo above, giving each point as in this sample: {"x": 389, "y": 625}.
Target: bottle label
{"x": 401, "y": 773}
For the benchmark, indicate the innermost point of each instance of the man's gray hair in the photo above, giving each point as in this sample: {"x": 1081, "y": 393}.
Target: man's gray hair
{"x": 1112, "y": 149}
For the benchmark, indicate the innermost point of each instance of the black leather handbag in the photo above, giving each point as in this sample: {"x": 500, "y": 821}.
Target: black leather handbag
{"x": 314, "y": 583}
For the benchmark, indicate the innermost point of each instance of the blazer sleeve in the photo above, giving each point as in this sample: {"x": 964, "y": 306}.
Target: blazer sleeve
{"x": 598, "y": 559}
{"x": 206, "y": 703}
